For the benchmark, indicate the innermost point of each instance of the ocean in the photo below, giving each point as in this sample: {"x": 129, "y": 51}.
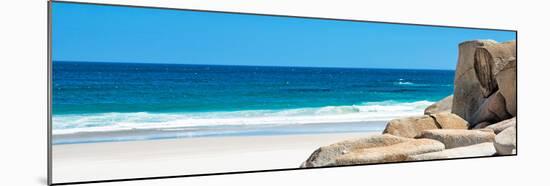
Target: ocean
{"x": 139, "y": 101}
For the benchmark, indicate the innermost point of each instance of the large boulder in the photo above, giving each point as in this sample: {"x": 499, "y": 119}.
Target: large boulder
{"x": 492, "y": 110}
{"x": 502, "y": 125}
{"x": 392, "y": 153}
{"x": 413, "y": 126}
{"x": 468, "y": 95}
{"x": 477, "y": 150}
{"x": 495, "y": 67}
{"x": 505, "y": 142}
{"x": 453, "y": 138}
{"x": 443, "y": 105}
{"x": 489, "y": 60}
{"x": 410, "y": 126}
{"x": 326, "y": 155}
{"x": 507, "y": 81}
{"x": 447, "y": 120}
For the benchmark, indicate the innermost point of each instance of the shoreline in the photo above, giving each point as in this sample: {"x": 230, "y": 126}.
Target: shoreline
{"x": 218, "y": 131}
{"x": 149, "y": 158}
{"x": 140, "y": 121}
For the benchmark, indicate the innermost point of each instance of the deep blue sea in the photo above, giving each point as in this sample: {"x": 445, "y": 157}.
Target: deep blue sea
{"x": 96, "y": 97}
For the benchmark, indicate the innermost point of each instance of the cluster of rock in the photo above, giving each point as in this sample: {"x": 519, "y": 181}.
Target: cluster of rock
{"x": 479, "y": 119}
{"x": 485, "y": 82}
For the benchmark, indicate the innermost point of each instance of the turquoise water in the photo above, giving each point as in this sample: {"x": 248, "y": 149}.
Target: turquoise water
{"x": 89, "y": 96}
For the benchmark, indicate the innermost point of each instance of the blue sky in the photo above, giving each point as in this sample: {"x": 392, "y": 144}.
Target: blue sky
{"x": 82, "y": 32}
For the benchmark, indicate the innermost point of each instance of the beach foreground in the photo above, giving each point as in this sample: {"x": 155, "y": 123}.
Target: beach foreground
{"x": 150, "y": 158}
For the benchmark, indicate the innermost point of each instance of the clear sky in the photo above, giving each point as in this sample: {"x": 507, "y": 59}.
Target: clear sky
{"x": 97, "y": 33}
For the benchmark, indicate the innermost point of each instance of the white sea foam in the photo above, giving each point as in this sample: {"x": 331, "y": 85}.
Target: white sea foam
{"x": 405, "y": 83}
{"x": 372, "y": 111}
{"x": 402, "y": 81}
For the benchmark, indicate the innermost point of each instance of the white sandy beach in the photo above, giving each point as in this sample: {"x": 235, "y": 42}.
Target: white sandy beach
{"x": 134, "y": 159}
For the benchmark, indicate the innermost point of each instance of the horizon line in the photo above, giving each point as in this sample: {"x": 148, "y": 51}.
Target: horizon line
{"x": 77, "y": 61}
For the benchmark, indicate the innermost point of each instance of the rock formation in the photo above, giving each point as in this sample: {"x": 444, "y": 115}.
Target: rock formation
{"x": 373, "y": 149}
{"x": 479, "y": 119}
{"x": 507, "y": 81}
{"x": 326, "y": 155}
{"x": 410, "y": 127}
{"x": 489, "y": 60}
{"x": 449, "y": 121}
{"x": 477, "y": 150}
{"x": 467, "y": 95}
{"x": 481, "y": 125}
{"x": 391, "y": 153}
{"x": 492, "y": 109}
{"x": 444, "y": 105}
{"x": 505, "y": 142}
{"x": 413, "y": 126}
{"x": 500, "y": 126}
{"x": 478, "y": 96}
{"x": 453, "y": 138}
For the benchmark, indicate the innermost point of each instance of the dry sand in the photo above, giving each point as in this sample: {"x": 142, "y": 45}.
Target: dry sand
{"x": 134, "y": 159}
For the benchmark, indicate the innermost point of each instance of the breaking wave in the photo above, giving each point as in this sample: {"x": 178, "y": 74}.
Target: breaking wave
{"x": 114, "y": 121}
